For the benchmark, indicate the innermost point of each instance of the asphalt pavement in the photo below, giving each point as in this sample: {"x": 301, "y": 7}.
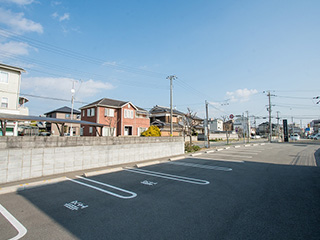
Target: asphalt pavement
{"x": 269, "y": 191}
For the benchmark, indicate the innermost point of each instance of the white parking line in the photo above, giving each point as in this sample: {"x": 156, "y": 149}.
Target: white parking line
{"x": 168, "y": 176}
{"x": 244, "y": 152}
{"x": 14, "y": 222}
{"x": 232, "y": 155}
{"x": 201, "y": 166}
{"x": 218, "y": 159}
{"x": 132, "y": 194}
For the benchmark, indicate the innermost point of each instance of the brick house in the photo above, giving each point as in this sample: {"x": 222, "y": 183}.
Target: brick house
{"x": 121, "y": 117}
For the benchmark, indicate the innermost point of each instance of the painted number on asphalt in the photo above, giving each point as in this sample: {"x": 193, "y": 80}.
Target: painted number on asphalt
{"x": 75, "y": 205}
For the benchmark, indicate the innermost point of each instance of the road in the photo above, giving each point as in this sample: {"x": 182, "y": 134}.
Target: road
{"x": 269, "y": 191}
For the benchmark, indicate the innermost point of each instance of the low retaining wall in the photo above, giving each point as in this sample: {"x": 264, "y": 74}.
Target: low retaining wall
{"x": 29, "y": 157}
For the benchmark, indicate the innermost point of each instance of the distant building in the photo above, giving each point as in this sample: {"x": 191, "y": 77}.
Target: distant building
{"x": 160, "y": 117}
{"x": 11, "y": 102}
{"x": 215, "y": 125}
{"x": 64, "y": 113}
{"x": 122, "y": 118}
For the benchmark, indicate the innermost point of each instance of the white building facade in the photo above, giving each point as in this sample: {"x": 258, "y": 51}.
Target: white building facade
{"x": 216, "y": 125}
{"x": 11, "y": 102}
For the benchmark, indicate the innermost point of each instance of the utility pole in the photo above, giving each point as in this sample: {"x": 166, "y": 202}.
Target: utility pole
{"x": 248, "y": 126}
{"x": 278, "y": 126}
{"x": 72, "y": 104}
{"x": 207, "y": 125}
{"x": 269, "y": 110}
{"x": 243, "y": 129}
{"x": 171, "y": 77}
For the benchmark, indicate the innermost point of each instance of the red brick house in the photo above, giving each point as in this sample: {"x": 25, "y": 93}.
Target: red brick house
{"x": 122, "y": 118}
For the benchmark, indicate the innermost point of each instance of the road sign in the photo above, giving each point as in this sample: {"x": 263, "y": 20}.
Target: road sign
{"x": 231, "y": 116}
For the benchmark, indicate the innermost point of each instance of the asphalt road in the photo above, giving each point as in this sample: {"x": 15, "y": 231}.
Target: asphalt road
{"x": 256, "y": 192}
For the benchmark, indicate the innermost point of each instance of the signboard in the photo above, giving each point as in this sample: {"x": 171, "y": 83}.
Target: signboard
{"x": 285, "y": 130}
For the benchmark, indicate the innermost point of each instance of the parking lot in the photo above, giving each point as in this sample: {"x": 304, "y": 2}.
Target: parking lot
{"x": 255, "y": 191}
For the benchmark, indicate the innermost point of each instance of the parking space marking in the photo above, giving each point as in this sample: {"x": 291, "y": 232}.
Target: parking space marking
{"x": 201, "y": 166}
{"x": 168, "y": 176}
{"x": 218, "y": 159}
{"x": 132, "y": 194}
{"x": 243, "y": 152}
{"x": 14, "y": 222}
{"x": 223, "y": 154}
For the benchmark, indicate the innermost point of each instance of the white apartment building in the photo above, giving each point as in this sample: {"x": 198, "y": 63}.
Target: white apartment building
{"x": 10, "y": 100}
{"x": 215, "y": 125}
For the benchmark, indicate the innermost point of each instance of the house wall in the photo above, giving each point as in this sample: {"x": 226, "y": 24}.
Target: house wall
{"x": 29, "y": 157}
{"x": 54, "y": 128}
{"x": 85, "y": 117}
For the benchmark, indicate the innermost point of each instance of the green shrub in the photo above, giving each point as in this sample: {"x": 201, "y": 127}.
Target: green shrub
{"x": 191, "y": 148}
{"x": 152, "y": 131}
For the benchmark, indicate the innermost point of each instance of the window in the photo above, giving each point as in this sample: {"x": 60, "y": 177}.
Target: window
{"x": 4, "y": 77}
{"x": 4, "y": 102}
{"x": 109, "y": 131}
{"x": 67, "y": 115}
{"x": 83, "y": 113}
{"x": 90, "y": 129}
{"x": 128, "y": 113}
{"x": 109, "y": 112}
{"x": 90, "y": 112}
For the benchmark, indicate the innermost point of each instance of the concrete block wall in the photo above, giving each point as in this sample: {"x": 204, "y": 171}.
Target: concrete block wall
{"x": 29, "y": 157}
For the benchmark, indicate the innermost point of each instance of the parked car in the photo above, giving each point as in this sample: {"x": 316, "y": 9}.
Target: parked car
{"x": 317, "y": 136}
{"x": 295, "y": 137}
{"x": 255, "y": 137}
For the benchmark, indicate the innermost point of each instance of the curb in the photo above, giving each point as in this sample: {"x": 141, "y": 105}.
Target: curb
{"x": 21, "y": 187}
{"x": 95, "y": 173}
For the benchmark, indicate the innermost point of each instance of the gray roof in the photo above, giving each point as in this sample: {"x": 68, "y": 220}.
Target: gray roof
{"x": 64, "y": 109}
{"x": 106, "y": 102}
{"x": 160, "y": 109}
{"x": 12, "y": 68}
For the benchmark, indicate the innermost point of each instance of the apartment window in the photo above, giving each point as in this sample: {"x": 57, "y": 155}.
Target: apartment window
{"x": 4, "y": 77}
{"x": 4, "y": 102}
{"x": 128, "y": 113}
{"x": 109, "y": 112}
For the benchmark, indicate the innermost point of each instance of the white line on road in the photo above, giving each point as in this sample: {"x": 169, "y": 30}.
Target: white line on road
{"x": 14, "y": 222}
{"x": 218, "y": 159}
{"x": 132, "y": 194}
{"x": 244, "y": 152}
{"x": 201, "y": 166}
{"x": 232, "y": 155}
{"x": 168, "y": 176}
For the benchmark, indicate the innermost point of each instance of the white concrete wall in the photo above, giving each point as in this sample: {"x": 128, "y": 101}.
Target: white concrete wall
{"x": 30, "y": 157}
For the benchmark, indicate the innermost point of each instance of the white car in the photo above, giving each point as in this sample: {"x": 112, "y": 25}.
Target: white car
{"x": 295, "y": 137}
{"x": 317, "y": 136}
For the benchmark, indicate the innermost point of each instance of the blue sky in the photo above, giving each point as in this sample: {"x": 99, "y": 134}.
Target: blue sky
{"x": 225, "y": 52}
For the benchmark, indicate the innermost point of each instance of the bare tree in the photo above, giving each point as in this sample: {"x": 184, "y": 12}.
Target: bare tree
{"x": 189, "y": 123}
{"x": 112, "y": 123}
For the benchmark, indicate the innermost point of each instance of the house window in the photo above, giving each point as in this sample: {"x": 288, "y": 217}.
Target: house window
{"x": 4, "y": 77}
{"x": 128, "y": 113}
{"x": 83, "y": 113}
{"x": 90, "y": 112}
{"x": 109, "y": 112}
{"x": 4, "y": 102}
{"x": 67, "y": 115}
{"x": 90, "y": 130}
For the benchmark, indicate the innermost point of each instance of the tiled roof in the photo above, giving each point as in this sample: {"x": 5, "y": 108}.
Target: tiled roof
{"x": 64, "y": 109}
{"x": 160, "y": 109}
{"x": 106, "y": 102}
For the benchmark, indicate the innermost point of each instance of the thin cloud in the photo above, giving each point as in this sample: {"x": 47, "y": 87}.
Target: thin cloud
{"x": 242, "y": 95}
{"x": 19, "y": 2}
{"x": 15, "y": 48}
{"x": 18, "y": 22}
{"x": 65, "y": 16}
{"x": 61, "y": 87}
